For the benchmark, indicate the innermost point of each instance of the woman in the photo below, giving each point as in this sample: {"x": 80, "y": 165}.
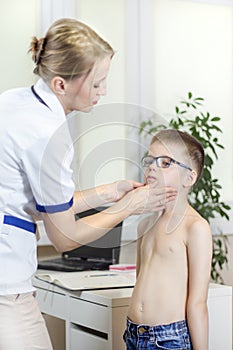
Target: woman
{"x": 72, "y": 62}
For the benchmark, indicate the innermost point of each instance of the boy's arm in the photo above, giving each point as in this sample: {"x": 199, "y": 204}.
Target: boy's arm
{"x": 142, "y": 226}
{"x": 199, "y": 250}
{"x": 139, "y": 241}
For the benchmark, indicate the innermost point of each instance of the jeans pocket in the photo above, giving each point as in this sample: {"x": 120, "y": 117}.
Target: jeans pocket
{"x": 130, "y": 340}
{"x": 171, "y": 343}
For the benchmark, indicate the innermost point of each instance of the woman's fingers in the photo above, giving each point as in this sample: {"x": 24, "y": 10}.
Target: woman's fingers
{"x": 149, "y": 198}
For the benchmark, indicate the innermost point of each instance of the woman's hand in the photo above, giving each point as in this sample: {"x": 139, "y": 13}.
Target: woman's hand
{"x": 148, "y": 198}
{"x": 35, "y": 217}
{"x": 120, "y": 188}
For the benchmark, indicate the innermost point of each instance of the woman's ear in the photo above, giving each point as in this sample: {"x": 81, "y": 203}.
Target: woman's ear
{"x": 190, "y": 179}
{"x": 58, "y": 85}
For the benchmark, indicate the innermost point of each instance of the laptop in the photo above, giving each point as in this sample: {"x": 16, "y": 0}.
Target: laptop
{"x": 97, "y": 255}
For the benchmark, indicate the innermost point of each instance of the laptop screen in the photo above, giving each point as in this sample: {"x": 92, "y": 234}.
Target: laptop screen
{"x": 106, "y": 248}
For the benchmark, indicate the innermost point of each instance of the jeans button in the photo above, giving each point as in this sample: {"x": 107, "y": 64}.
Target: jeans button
{"x": 141, "y": 330}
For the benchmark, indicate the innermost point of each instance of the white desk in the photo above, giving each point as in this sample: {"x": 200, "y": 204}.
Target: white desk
{"x": 95, "y": 320}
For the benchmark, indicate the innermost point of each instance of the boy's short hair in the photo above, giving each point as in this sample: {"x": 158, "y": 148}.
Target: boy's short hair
{"x": 192, "y": 146}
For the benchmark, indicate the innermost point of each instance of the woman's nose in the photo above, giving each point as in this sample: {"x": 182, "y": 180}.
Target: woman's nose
{"x": 102, "y": 89}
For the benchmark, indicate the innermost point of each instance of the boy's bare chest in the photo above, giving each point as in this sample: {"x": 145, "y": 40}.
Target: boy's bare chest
{"x": 162, "y": 241}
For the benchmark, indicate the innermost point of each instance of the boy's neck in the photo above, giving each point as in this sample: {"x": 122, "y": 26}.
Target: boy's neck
{"x": 174, "y": 214}
{"x": 177, "y": 207}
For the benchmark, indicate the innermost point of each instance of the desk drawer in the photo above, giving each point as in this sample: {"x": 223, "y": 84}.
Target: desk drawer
{"x": 91, "y": 315}
{"x": 80, "y": 339}
{"x": 52, "y": 303}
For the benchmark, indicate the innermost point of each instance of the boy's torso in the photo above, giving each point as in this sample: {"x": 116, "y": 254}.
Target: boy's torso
{"x": 160, "y": 292}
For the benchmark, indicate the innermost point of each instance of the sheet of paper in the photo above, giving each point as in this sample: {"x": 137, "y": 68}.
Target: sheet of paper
{"x": 88, "y": 279}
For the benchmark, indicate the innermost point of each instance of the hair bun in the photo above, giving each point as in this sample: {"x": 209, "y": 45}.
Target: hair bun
{"x": 36, "y": 48}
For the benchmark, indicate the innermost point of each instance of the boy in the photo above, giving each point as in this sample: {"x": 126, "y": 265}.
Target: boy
{"x": 174, "y": 249}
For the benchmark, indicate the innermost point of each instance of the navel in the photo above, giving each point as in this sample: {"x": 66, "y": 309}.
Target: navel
{"x": 171, "y": 250}
{"x": 141, "y": 307}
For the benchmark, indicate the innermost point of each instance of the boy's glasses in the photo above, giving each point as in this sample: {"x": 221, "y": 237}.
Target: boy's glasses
{"x": 161, "y": 162}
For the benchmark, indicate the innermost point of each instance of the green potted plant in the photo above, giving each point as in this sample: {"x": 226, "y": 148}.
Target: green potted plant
{"x": 205, "y": 195}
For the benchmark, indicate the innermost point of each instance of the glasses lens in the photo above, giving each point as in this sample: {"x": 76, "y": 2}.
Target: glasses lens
{"x": 163, "y": 162}
{"x": 147, "y": 161}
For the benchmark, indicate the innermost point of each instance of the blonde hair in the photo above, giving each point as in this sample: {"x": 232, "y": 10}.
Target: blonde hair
{"x": 192, "y": 147}
{"x": 69, "y": 49}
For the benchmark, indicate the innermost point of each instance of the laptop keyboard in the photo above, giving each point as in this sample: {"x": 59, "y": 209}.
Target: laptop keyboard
{"x": 72, "y": 265}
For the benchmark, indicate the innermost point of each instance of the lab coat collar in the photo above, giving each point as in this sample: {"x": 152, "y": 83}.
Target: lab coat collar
{"x": 47, "y": 95}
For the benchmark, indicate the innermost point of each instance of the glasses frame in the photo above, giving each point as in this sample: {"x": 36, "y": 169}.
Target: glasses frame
{"x": 172, "y": 161}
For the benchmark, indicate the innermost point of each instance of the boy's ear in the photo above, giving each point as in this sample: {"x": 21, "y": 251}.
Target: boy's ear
{"x": 58, "y": 85}
{"x": 190, "y": 179}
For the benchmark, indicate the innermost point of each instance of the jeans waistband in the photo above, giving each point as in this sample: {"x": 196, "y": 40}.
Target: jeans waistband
{"x": 20, "y": 223}
{"x": 175, "y": 328}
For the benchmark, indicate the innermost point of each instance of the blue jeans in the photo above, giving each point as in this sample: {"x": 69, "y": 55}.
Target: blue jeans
{"x": 166, "y": 337}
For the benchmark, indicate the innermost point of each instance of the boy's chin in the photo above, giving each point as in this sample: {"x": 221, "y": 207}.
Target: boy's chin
{"x": 150, "y": 181}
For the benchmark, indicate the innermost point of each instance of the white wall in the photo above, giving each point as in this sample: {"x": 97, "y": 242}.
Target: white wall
{"x": 107, "y": 19}
{"x": 97, "y": 132}
{"x": 17, "y": 24}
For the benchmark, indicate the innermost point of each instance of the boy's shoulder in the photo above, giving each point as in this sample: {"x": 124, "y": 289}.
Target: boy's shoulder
{"x": 196, "y": 224}
{"x": 195, "y": 218}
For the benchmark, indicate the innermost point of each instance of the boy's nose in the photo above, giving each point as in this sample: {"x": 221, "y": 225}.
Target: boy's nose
{"x": 153, "y": 166}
